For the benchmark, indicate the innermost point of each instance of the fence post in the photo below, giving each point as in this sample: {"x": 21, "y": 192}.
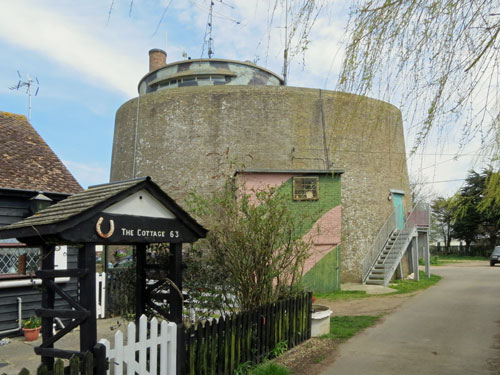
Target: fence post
{"x": 74, "y": 365}
{"x": 181, "y": 349}
{"x": 309, "y": 313}
{"x": 101, "y": 365}
{"x": 59, "y": 367}
{"x": 220, "y": 345}
{"x": 88, "y": 364}
{"x": 42, "y": 370}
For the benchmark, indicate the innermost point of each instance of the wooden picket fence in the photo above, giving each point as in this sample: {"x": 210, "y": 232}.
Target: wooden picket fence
{"x": 119, "y": 293}
{"x": 156, "y": 352}
{"x": 215, "y": 347}
{"x": 76, "y": 366}
{"x": 220, "y": 346}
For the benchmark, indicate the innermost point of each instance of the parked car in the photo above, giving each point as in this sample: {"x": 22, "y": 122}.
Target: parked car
{"x": 495, "y": 256}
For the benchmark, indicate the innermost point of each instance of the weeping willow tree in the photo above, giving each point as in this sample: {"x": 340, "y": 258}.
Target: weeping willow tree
{"x": 296, "y": 18}
{"x": 441, "y": 59}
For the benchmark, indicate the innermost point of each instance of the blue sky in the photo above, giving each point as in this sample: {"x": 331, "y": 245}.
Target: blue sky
{"x": 88, "y": 63}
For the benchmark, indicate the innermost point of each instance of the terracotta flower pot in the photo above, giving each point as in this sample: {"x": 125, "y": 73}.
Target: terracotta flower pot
{"x": 31, "y": 334}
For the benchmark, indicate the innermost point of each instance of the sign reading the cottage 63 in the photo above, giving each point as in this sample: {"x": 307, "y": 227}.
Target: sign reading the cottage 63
{"x": 113, "y": 228}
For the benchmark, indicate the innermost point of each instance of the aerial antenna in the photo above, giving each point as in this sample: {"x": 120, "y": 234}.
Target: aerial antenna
{"x": 285, "y": 52}
{"x": 210, "y": 39}
{"x": 207, "y": 39}
{"x": 30, "y": 85}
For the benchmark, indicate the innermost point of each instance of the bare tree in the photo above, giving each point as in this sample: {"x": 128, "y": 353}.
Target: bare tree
{"x": 420, "y": 188}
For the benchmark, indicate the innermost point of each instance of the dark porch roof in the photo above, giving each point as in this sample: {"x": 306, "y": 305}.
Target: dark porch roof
{"x": 49, "y": 224}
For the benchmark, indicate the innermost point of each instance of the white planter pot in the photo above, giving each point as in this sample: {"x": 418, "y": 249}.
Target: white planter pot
{"x": 320, "y": 318}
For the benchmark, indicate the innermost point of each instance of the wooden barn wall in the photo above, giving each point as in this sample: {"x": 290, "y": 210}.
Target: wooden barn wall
{"x": 31, "y": 298}
{"x": 13, "y": 209}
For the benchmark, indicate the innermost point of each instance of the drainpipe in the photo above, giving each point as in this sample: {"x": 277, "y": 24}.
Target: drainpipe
{"x": 19, "y": 318}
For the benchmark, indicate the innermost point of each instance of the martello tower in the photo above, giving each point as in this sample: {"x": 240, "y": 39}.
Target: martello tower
{"x": 190, "y": 114}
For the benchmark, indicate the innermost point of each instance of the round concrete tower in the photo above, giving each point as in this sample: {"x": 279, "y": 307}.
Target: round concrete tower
{"x": 191, "y": 117}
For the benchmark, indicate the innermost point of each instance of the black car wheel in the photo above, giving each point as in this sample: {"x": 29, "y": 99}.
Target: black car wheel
{"x": 492, "y": 264}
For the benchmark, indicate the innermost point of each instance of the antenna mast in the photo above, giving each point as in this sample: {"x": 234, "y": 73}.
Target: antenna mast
{"x": 285, "y": 52}
{"x": 210, "y": 40}
{"x": 29, "y": 84}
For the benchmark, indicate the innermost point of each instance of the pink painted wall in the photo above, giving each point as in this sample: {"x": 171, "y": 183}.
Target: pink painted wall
{"x": 325, "y": 233}
{"x": 253, "y": 182}
{"x": 325, "y": 236}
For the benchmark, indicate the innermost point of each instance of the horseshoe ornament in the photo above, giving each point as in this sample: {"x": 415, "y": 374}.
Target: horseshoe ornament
{"x": 99, "y": 231}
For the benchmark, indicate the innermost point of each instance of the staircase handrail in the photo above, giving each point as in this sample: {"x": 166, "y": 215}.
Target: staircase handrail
{"x": 396, "y": 252}
{"x": 378, "y": 245}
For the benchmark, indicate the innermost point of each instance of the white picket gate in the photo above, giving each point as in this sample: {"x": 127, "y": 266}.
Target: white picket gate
{"x": 123, "y": 357}
{"x": 100, "y": 294}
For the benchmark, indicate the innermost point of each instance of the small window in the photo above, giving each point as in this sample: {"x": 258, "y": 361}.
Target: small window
{"x": 305, "y": 188}
{"x": 19, "y": 260}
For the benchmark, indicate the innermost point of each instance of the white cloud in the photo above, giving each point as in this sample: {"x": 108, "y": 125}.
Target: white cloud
{"x": 71, "y": 42}
{"x": 88, "y": 174}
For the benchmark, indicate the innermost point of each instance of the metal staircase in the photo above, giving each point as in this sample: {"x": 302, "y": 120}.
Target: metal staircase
{"x": 377, "y": 272}
{"x": 383, "y": 260}
{"x": 390, "y": 256}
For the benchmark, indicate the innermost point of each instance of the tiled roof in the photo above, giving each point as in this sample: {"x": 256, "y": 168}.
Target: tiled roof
{"x": 27, "y": 162}
{"x": 76, "y": 204}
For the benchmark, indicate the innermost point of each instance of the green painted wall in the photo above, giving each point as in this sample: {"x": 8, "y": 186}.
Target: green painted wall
{"x": 325, "y": 275}
{"x": 311, "y": 211}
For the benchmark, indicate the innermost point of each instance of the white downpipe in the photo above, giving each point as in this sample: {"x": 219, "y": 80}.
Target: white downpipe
{"x": 28, "y": 282}
{"x": 19, "y": 317}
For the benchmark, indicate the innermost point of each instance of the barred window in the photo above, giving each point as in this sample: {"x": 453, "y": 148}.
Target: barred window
{"x": 305, "y": 188}
{"x": 19, "y": 260}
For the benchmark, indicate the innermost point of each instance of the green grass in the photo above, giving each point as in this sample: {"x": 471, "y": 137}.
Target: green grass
{"x": 344, "y": 327}
{"x": 439, "y": 260}
{"x": 409, "y": 286}
{"x": 269, "y": 368}
{"x": 402, "y": 286}
{"x": 319, "y": 358}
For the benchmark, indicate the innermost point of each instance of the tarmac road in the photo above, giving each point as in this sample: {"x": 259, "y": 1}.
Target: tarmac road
{"x": 451, "y": 328}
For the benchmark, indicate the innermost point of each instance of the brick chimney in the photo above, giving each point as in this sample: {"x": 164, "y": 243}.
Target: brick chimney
{"x": 157, "y": 59}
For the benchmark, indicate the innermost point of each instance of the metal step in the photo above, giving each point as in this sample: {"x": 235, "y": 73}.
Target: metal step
{"x": 375, "y": 282}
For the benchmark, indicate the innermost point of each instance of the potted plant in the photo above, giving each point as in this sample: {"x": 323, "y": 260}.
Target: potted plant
{"x": 31, "y": 328}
